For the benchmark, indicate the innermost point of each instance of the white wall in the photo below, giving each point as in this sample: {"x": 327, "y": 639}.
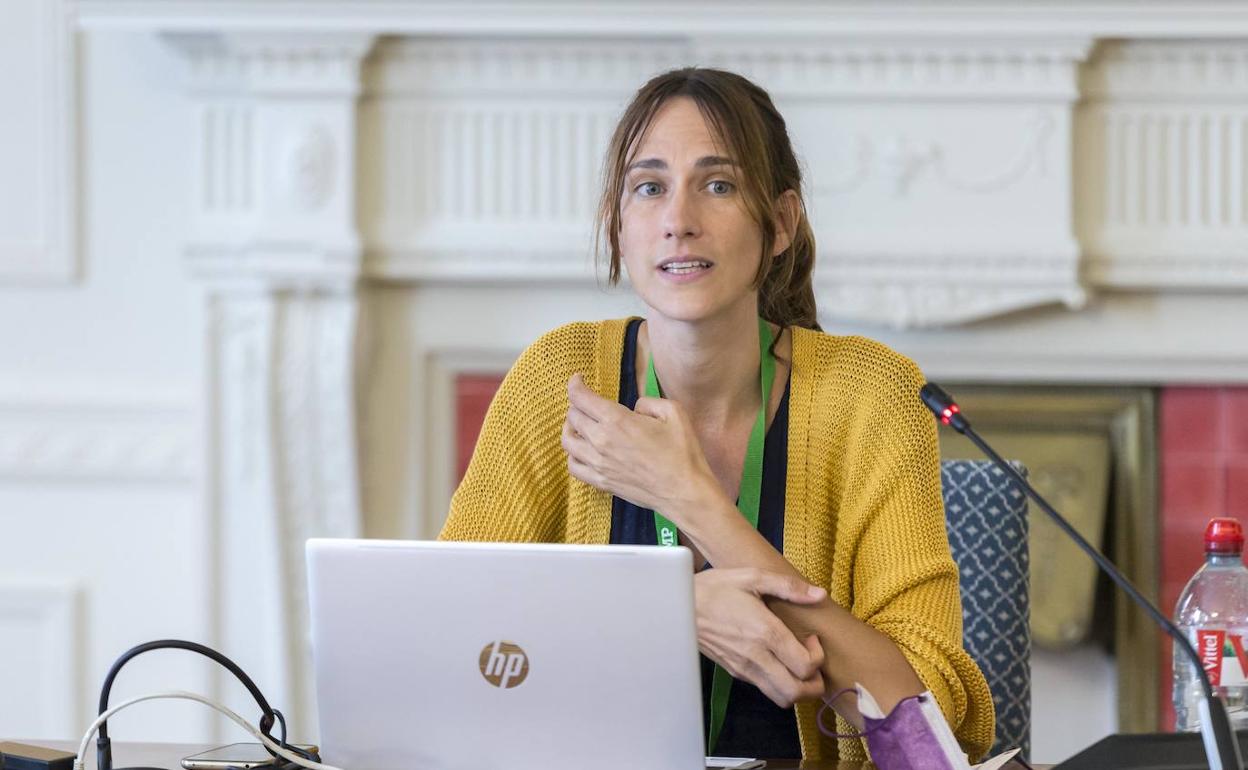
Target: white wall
{"x": 99, "y": 376}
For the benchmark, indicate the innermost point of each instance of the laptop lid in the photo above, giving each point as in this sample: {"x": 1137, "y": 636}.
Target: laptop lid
{"x": 490, "y": 655}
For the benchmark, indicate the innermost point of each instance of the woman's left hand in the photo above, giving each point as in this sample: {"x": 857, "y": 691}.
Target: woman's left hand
{"x": 649, "y": 456}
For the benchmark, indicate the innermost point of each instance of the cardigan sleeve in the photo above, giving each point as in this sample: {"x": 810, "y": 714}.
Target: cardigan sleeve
{"x": 516, "y": 485}
{"x": 904, "y": 579}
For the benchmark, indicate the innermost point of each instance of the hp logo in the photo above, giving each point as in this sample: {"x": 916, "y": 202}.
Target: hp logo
{"x": 504, "y": 664}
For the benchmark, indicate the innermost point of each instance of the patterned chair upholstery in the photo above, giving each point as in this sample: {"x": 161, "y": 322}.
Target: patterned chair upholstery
{"x": 986, "y": 518}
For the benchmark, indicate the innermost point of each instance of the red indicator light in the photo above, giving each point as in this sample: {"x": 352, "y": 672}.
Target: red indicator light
{"x": 948, "y": 413}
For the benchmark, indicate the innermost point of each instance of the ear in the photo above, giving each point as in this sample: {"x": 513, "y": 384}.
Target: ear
{"x": 786, "y": 216}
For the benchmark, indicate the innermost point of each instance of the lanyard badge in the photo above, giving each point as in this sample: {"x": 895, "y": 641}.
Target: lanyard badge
{"x": 747, "y": 502}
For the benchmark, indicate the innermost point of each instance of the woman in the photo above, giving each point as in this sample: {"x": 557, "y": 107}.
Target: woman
{"x": 845, "y": 574}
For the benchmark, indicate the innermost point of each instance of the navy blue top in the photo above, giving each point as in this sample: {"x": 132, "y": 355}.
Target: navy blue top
{"x": 753, "y": 726}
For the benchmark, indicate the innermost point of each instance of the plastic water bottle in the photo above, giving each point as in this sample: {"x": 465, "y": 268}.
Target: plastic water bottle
{"x": 1213, "y": 614}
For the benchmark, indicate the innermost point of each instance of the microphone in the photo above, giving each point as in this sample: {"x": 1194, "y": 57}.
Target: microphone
{"x": 1221, "y": 746}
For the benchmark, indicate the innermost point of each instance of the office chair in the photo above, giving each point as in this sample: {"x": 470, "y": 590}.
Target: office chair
{"x": 986, "y": 518}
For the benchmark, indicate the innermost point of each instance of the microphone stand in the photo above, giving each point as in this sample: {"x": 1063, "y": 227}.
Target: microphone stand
{"x": 1221, "y": 746}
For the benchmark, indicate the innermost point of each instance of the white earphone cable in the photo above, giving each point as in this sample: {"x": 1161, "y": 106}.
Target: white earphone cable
{"x": 80, "y": 760}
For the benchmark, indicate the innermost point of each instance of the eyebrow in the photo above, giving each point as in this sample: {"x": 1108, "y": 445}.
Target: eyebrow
{"x": 706, "y": 161}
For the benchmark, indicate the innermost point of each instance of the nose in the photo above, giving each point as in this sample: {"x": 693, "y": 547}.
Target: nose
{"x": 680, "y": 217}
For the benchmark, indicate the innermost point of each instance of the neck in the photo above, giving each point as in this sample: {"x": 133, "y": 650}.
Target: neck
{"x": 710, "y": 367}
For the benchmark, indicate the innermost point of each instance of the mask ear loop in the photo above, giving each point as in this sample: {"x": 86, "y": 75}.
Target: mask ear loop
{"x": 831, "y": 733}
{"x": 827, "y": 704}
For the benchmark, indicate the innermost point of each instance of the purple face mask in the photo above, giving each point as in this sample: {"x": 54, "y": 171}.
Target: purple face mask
{"x": 913, "y": 736}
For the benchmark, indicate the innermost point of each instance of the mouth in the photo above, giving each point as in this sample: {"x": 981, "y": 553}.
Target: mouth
{"x": 685, "y": 265}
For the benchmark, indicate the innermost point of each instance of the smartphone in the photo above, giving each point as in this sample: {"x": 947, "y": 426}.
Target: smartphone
{"x": 241, "y": 755}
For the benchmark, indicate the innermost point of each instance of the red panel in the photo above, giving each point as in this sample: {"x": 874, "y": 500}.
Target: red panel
{"x": 473, "y": 393}
{"x": 1194, "y": 452}
{"x": 1191, "y": 489}
{"x": 1190, "y": 420}
{"x": 1236, "y": 413}
{"x": 1182, "y": 553}
{"x": 1237, "y": 489}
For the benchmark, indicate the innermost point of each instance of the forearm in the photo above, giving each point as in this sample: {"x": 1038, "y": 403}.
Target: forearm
{"x": 853, "y": 650}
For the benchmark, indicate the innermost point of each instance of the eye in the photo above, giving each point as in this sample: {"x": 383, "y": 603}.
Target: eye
{"x": 721, "y": 187}
{"x": 648, "y": 189}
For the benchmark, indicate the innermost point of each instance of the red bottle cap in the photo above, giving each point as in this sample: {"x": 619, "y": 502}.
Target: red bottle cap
{"x": 1224, "y": 536}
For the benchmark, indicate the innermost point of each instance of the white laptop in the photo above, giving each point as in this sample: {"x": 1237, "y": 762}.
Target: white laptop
{"x": 441, "y": 656}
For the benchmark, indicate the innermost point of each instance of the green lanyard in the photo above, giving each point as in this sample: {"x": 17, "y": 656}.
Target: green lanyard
{"x": 747, "y": 503}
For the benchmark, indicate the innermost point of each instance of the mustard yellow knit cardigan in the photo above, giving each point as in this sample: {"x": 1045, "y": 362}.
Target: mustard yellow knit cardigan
{"x": 863, "y": 513}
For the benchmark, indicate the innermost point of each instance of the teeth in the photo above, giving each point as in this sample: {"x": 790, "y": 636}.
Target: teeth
{"x": 685, "y": 267}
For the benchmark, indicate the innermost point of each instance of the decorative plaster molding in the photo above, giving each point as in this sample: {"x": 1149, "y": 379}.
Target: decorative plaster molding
{"x": 911, "y": 305}
{"x": 73, "y": 440}
{"x": 308, "y": 168}
{"x": 433, "y": 167}
{"x": 274, "y": 170}
{"x": 1099, "y": 18}
{"x": 1171, "y": 367}
{"x": 284, "y": 456}
{"x": 561, "y": 264}
{"x": 273, "y": 63}
{"x": 275, "y": 265}
{"x": 1174, "y": 70}
{"x": 50, "y": 614}
{"x": 561, "y": 68}
{"x": 1025, "y": 68}
{"x": 1162, "y": 147}
{"x": 227, "y": 172}
{"x": 316, "y": 452}
{"x": 49, "y": 253}
{"x": 477, "y": 168}
{"x": 1175, "y": 271}
{"x": 902, "y": 160}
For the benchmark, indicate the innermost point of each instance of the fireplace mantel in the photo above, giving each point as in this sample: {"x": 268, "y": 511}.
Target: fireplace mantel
{"x": 965, "y": 161}
{"x": 1138, "y": 19}
{"x": 388, "y": 194}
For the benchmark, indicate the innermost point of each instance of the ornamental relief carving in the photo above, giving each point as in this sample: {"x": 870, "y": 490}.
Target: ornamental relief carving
{"x": 901, "y": 161}
{"x": 308, "y": 168}
{"x": 106, "y": 441}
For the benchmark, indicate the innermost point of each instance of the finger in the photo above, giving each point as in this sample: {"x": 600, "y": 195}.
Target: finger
{"x": 584, "y": 426}
{"x": 578, "y": 447}
{"x": 786, "y": 587}
{"x": 798, "y": 658}
{"x": 811, "y": 689}
{"x": 659, "y": 408}
{"x": 593, "y": 405}
{"x": 775, "y": 681}
{"x": 815, "y": 648}
{"x": 585, "y": 473}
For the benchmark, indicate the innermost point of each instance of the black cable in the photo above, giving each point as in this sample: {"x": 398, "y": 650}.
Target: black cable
{"x": 287, "y": 764}
{"x": 104, "y": 751}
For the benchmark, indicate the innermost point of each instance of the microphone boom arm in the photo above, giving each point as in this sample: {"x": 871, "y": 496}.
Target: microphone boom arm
{"x": 1221, "y": 746}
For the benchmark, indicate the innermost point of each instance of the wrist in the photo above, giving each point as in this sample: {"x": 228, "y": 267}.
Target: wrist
{"x": 703, "y": 511}
{"x": 692, "y": 500}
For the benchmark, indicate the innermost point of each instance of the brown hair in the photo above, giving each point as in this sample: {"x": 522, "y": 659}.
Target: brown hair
{"x": 743, "y": 120}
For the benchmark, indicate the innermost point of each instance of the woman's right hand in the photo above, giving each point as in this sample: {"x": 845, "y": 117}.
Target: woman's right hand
{"x": 739, "y": 632}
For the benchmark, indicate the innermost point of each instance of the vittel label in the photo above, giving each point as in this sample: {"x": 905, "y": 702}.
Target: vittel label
{"x": 1222, "y": 656}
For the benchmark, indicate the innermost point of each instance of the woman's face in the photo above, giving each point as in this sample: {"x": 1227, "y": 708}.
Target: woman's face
{"x": 690, "y": 247}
